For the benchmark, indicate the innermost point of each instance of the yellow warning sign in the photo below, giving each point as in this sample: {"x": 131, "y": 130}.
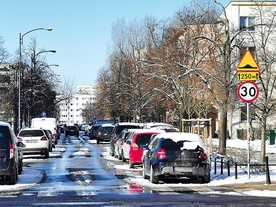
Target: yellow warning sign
{"x": 248, "y": 63}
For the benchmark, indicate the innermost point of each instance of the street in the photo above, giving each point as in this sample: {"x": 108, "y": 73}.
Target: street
{"x": 77, "y": 174}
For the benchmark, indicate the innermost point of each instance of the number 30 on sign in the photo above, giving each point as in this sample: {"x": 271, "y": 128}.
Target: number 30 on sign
{"x": 248, "y": 91}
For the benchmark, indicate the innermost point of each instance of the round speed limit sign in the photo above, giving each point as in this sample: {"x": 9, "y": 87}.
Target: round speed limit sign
{"x": 248, "y": 91}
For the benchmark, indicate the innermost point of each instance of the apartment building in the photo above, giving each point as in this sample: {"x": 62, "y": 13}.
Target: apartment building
{"x": 252, "y": 28}
{"x": 71, "y": 110}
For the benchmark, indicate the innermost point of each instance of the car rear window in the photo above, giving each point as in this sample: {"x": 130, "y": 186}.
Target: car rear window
{"x": 31, "y": 133}
{"x": 106, "y": 129}
{"x": 4, "y": 136}
{"x": 143, "y": 139}
{"x": 122, "y": 127}
{"x": 169, "y": 144}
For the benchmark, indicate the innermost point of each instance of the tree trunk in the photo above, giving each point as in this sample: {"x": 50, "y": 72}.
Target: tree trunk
{"x": 222, "y": 131}
{"x": 263, "y": 141}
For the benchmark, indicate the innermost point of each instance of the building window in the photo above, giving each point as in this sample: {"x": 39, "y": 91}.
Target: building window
{"x": 247, "y": 23}
{"x": 243, "y": 50}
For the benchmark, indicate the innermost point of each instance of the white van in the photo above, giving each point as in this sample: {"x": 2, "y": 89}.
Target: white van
{"x": 46, "y": 123}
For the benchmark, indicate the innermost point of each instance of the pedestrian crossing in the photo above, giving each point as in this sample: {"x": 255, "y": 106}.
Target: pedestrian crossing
{"x": 53, "y": 193}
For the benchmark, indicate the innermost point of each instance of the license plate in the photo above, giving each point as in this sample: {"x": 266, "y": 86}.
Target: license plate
{"x": 183, "y": 169}
{"x": 31, "y": 141}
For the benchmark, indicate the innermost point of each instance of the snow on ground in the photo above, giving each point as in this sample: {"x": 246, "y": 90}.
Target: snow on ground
{"x": 216, "y": 179}
{"x": 31, "y": 177}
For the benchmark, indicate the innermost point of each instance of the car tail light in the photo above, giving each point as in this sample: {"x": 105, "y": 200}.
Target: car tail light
{"x": 44, "y": 138}
{"x": 99, "y": 134}
{"x": 19, "y": 139}
{"x": 202, "y": 154}
{"x": 161, "y": 153}
{"x": 11, "y": 151}
{"x": 134, "y": 145}
{"x": 122, "y": 143}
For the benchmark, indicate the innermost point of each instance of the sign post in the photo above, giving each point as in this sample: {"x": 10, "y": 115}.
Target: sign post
{"x": 248, "y": 91}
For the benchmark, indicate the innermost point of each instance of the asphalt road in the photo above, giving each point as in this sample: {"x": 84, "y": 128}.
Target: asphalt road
{"x": 80, "y": 176}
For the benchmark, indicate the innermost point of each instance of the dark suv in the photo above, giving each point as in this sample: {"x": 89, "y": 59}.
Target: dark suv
{"x": 9, "y": 163}
{"x": 172, "y": 155}
{"x": 104, "y": 132}
{"x": 72, "y": 130}
{"x": 117, "y": 130}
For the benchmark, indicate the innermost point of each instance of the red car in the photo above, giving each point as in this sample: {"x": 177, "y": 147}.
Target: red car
{"x": 136, "y": 141}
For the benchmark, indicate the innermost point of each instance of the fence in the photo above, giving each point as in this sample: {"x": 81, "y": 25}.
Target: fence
{"x": 228, "y": 165}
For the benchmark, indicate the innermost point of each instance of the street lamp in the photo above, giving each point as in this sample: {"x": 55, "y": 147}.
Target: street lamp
{"x": 19, "y": 70}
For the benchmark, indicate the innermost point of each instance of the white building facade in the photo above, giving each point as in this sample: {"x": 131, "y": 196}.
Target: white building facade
{"x": 71, "y": 110}
{"x": 251, "y": 21}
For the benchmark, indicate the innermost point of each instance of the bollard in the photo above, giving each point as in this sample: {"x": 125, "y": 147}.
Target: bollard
{"x": 221, "y": 165}
{"x": 268, "y": 182}
{"x": 215, "y": 166}
{"x": 228, "y": 167}
{"x": 236, "y": 170}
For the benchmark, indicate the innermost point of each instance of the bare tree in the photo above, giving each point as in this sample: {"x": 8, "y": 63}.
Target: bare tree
{"x": 263, "y": 41}
{"x": 4, "y": 55}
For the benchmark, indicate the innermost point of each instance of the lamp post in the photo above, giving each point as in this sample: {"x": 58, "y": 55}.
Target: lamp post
{"x": 19, "y": 70}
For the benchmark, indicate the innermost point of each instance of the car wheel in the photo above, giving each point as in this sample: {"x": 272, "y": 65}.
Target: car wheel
{"x": 144, "y": 172}
{"x": 153, "y": 177}
{"x": 20, "y": 168}
{"x": 119, "y": 155}
{"x": 123, "y": 157}
{"x": 13, "y": 178}
{"x": 131, "y": 165}
{"x": 206, "y": 178}
{"x": 47, "y": 155}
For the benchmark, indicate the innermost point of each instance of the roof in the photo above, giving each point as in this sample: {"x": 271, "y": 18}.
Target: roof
{"x": 148, "y": 131}
{"x": 32, "y": 129}
{"x": 107, "y": 125}
{"x": 128, "y": 123}
{"x": 177, "y": 136}
{"x": 5, "y": 124}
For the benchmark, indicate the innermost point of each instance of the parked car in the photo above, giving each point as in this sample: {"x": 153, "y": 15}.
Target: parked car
{"x": 20, "y": 147}
{"x": 35, "y": 141}
{"x": 83, "y": 127}
{"x": 120, "y": 142}
{"x": 9, "y": 161}
{"x": 50, "y": 136}
{"x": 132, "y": 150}
{"x": 117, "y": 130}
{"x": 87, "y": 130}
{"x": 104, "y": 132}
{"x": 94, "y": 130}
{"x": 72, "y": 131}
{"x": 106, "y": 121}
{"x": 172, "y": 155}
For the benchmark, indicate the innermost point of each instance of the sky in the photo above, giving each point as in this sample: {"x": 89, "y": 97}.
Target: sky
{"x": 30, "y": 177}
{"x": 81, "y": 29}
